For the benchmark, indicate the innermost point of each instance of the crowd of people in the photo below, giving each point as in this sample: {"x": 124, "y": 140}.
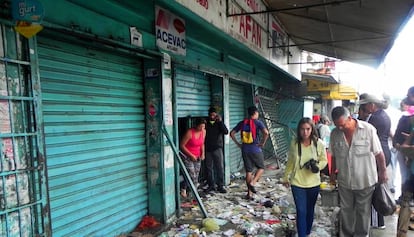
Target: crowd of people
{"x": 355, "y": 154}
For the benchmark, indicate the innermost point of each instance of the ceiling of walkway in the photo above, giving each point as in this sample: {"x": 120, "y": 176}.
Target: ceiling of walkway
{"x": 359, "y": 31}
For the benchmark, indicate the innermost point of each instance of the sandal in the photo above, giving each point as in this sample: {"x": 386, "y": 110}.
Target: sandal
{"x": 252, "y": 188}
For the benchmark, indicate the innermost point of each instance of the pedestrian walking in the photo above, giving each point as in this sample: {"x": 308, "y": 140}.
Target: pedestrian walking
{"x": 306, "y": 158}
{"x": 359, "y": 164}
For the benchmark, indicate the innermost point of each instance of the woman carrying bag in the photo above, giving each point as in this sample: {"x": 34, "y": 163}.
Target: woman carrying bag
{"x": 307, "y": 156}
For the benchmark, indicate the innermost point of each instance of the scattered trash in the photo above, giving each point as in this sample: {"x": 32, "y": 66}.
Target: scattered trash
{"x": 147, "y": 222}
{"x": 270, "y": 213}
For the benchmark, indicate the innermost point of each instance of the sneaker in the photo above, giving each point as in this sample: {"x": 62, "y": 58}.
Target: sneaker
{"x": 222, "y": 190}
{"x": 381, "y": 227}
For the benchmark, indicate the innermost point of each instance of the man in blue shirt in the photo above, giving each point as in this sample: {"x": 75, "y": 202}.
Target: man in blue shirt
{"x": 251, "y": 147}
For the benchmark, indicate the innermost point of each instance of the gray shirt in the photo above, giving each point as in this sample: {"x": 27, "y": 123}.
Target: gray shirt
{"x": 356, "y": 164}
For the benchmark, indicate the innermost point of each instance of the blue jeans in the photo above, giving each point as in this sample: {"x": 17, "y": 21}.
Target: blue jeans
{"x": 305, "y": 200}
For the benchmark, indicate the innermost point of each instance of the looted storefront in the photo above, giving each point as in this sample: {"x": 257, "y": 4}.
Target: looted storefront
{"x": 86, "y": 103}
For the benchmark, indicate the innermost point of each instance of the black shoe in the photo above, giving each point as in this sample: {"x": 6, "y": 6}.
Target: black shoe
{"x": 210, "y": 189}
{"x": 222, "y": 190}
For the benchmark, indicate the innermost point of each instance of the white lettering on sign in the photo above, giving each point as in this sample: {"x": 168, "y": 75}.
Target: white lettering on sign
{"x": 23, "y": 10}
{"x": 170, "y": 31}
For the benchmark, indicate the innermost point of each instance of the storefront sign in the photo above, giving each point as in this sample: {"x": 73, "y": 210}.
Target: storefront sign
{"x": 136, "y": 36}
{"x": 249, "y": 29}
{"x": 27, "y": 10}
{"x": 28, "y": 15}
{"x": 170, "y": 31}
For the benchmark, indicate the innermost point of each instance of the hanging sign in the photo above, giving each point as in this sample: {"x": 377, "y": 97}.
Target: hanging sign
{"x": 170, "y": 31}
{"x": 27, "y": 10}
{"x": 28, "y": 14}
{"x": 27, "y": 29}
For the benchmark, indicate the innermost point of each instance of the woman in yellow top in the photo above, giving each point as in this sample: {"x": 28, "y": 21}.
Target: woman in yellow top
{"x": 306, "y": 157}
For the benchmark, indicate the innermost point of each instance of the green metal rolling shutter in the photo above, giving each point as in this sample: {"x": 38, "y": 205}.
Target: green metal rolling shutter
{"x": 94, "y": 129}
{"x": 193, "y": 93}
{"x": 237, "y": 109}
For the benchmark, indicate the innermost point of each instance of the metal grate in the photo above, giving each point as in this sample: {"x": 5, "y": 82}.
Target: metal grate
{"x": 23, "y": 196}
{"x": 279, "y": 132}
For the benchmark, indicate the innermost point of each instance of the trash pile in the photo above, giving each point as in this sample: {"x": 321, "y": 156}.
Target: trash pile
{"x": 271, "y": 213}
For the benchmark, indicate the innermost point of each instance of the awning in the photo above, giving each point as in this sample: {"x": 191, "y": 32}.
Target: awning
{"x": 340, "y": 92}
{"x": 352, "y": 30}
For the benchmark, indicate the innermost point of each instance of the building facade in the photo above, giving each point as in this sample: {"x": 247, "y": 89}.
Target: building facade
{"x": 93, "y": 105}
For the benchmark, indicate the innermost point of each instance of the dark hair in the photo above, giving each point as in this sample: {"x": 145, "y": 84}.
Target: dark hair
{"x": 212, "y": 110}
{"x": 339, "y": 112}
{"x": 199, "y": 121}
{"x": 313, "y": 136}
{"x": 251, "y": 110}
{"x": 410, "y": 91}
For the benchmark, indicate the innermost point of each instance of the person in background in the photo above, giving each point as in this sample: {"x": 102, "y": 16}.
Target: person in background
{"x": 403, "y": 126}
{"x": 382, "y": 122}
{"x": 215, "y": 130}
{"x": 192, "y": 146}
{"x": 315, "y": 117}
{"x": 362, "y": 113}
{"x": 403, "y": 140}
{"x": 251, "y": 146}
{"x": 360, "y": 164}
{"x": 324, "y": 132}
{"x": 306, "y": 158}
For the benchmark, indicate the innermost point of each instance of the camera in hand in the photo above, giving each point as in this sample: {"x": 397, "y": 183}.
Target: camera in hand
{"x": 312, "y": 165}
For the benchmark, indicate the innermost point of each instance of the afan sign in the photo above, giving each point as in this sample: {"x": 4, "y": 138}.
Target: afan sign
{"x": 170, "y": 31}
{"x": 249, "y": 29}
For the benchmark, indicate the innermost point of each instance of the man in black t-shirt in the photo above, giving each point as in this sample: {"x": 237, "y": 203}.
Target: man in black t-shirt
{"x": 214, "y": 167}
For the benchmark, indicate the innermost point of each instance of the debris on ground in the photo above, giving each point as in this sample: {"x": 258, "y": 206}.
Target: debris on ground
{"x": 271, "y": 212}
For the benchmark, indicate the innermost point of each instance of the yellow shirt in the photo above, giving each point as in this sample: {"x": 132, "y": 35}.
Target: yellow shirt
{"x": 298, "y": 175}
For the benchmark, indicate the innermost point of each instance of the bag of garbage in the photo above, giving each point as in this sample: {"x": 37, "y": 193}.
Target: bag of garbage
{"x": 383, "y": 201}
{"x": 209, "y": 224}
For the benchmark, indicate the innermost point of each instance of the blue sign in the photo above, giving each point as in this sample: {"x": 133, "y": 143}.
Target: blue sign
{"x": 27, "y": 10}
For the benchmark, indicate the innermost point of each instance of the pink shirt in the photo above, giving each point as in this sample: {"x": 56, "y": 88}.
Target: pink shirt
{"x": 194, "y": 144}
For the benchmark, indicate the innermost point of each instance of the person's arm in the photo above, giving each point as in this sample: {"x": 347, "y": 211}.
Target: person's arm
{"x": 376, "y": 149}
{"x": 183, "y": 142}
{"x": 203, "y": 154}
{"x": 381, "y": 167}
{"x": 233, "y": 137}
{"x": 265, "y": 133}
{"x": 223, "y": 128}
{"x": 290, "y": 164}
{"x": 221, "y": 125}
{"x": 332, "y": 172}
{"x": 322, "y": 158}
